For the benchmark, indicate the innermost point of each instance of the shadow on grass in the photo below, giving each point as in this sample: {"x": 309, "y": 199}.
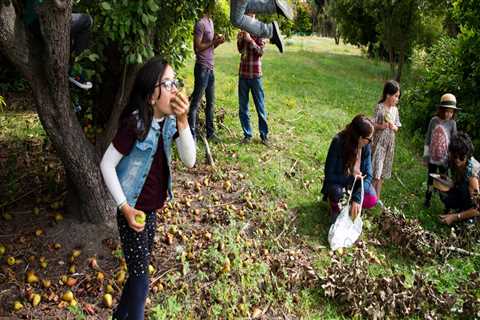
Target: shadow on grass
{"x": 314, "y": 221}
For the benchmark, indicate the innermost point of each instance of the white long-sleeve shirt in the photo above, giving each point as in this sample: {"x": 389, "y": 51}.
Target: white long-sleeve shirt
{"x": 186, "y": 150}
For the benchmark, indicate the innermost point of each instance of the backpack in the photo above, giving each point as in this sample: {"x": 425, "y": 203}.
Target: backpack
{"x": 439, "y": 145}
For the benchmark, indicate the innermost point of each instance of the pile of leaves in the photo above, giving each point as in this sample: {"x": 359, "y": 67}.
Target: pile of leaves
{"x": 409, "y": 236}
{"x": 348, "y": 282}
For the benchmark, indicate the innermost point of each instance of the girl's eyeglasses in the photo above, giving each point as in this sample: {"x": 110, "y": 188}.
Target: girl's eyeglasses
{"x": 171, "y": 83}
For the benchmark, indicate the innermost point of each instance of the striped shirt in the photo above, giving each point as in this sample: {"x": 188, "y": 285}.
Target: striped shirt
{"x": 251, "y": 51}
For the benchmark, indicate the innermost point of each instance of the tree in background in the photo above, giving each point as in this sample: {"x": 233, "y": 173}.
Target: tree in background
{"x": 392, "y": 28}
{"x": 450, "y": 65}
{"x": 303, "y": 19}
{"x": 125, "y": 34}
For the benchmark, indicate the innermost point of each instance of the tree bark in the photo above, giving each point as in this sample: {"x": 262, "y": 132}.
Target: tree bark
{"x": 44, "y": 63}
{"x": 401, "y": 62}
{"x": 126, "y": 83}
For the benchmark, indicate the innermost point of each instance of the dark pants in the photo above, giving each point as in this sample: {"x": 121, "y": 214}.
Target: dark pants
{"x": 458, "y": 198}
{"x": 80, "y": 32}
{"x": 204, "y": 82}
{"x": 432, "y": 168}
{"x": 137, "y": 248}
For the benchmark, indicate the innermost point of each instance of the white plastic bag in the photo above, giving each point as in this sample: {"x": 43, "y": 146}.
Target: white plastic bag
{"x": 344, "y": 232}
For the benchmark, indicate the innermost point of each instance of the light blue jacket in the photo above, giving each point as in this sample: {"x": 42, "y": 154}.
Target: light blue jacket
{"x": 133, "y": 169}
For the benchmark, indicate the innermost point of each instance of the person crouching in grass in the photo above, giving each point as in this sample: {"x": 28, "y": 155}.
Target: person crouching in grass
{"x": 460, "y": 200}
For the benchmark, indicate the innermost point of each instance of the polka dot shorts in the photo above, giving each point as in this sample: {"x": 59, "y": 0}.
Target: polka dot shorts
{"x": 137, "y": 246}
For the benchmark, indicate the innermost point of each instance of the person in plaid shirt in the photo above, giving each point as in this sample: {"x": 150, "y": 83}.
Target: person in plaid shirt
{"x": 250, "y": 79}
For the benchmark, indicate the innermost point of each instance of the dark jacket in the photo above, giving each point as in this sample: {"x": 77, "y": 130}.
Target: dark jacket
{"x": 335, "y": 168}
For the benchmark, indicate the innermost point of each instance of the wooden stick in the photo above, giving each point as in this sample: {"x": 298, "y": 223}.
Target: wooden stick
{"x": 155, "y": 280}
{"x": 287, "y": 227}
{"x": 207, "y": 151}
{"x": 7, "y": 203}
{"x": 463, "y": 251}
{"x": 401, "y": 182}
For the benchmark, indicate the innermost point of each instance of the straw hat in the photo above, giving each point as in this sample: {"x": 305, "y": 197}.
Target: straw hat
{"x": 448, "y": 100}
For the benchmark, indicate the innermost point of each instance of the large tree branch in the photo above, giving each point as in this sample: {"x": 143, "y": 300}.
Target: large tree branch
{"x": 13, "y": 40}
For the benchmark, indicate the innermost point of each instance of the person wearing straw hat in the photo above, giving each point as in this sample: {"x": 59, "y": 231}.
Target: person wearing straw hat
{"x": 441, "y": 129}
{"x": 461, "y": 200}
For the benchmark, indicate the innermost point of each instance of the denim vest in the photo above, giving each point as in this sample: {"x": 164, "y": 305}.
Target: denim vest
{"x": 133, "y": 169}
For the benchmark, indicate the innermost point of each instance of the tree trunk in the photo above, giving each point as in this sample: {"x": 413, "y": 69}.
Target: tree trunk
{"x": 401, "y": 62}
{"x": 391, "y": 59}
{"x": 44, "y": 63}
{"x": 125, "y": 86}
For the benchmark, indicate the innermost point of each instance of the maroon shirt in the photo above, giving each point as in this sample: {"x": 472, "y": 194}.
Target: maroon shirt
{"x": 154, "y": 191}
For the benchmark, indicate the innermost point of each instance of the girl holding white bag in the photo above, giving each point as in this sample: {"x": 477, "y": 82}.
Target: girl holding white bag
{"x": 349, "y": 156}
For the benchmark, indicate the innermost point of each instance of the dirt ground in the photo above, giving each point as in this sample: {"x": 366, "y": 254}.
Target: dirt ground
{"x": 42, "y": 245}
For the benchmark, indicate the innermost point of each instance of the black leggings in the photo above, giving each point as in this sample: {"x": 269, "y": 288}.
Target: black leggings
{"x": 137, "y": 248}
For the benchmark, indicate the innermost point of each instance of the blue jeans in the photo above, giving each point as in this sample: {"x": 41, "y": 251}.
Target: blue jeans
{"x": 204, "y": 82}
{"x": 256, "y": 86}
{"x": 253, "y": 26}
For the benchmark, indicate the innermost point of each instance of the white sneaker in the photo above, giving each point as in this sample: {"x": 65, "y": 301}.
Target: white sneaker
{"x": 85, "y": 85}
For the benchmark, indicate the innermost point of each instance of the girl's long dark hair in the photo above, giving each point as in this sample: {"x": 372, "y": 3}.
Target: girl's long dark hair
{"x": 361, "y": 126}
{"x": 441, "y": 113}
{"x": 146, "y": 80}
{"x": 390, "y": 88}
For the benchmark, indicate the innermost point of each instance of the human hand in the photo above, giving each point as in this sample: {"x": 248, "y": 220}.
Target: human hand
{"x": 355, "y": 209}
{"x": 129, "y": 213}
{"x": 357, "y": 174}
{"x": 448, "y": 218}
{"x": 180, "y": 106}
{"x": 218, "y": 39}
{"x": 247, "y": 37}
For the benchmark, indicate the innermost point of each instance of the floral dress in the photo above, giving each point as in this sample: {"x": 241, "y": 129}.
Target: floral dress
{"x": 383, "y": 144}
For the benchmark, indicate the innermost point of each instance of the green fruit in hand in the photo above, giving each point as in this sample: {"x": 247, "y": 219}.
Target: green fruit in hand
{"x": 140, "y": 218}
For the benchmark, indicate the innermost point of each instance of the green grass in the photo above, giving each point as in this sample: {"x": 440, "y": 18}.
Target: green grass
{"x": 312, "y": 91}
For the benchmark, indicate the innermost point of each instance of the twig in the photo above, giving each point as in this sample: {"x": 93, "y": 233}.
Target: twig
{"x": 290, "y": 172}
{"x": 245, "y": 227}
{"x": 287, "y": 227}
{"x": 207, "y": 151}
{"x": 155, "y": 280}
{"x": 221, "y": 204}
{"x": 401, "y": 182}
{"x": 228, "y": 129}
{"x": 463, "y": 251}
{"x": 5, "y": 204}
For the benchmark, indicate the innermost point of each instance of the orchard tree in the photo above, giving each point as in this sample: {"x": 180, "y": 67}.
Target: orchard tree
{"x": 125, "y": 34}
{"x": 390, "y": 26}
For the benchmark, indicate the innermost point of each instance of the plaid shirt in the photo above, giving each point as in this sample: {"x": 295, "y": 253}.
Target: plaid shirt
{"x": 251, "y": 52}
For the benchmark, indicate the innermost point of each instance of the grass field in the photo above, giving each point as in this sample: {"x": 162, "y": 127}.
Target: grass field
{"x": 312, "y": 91}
